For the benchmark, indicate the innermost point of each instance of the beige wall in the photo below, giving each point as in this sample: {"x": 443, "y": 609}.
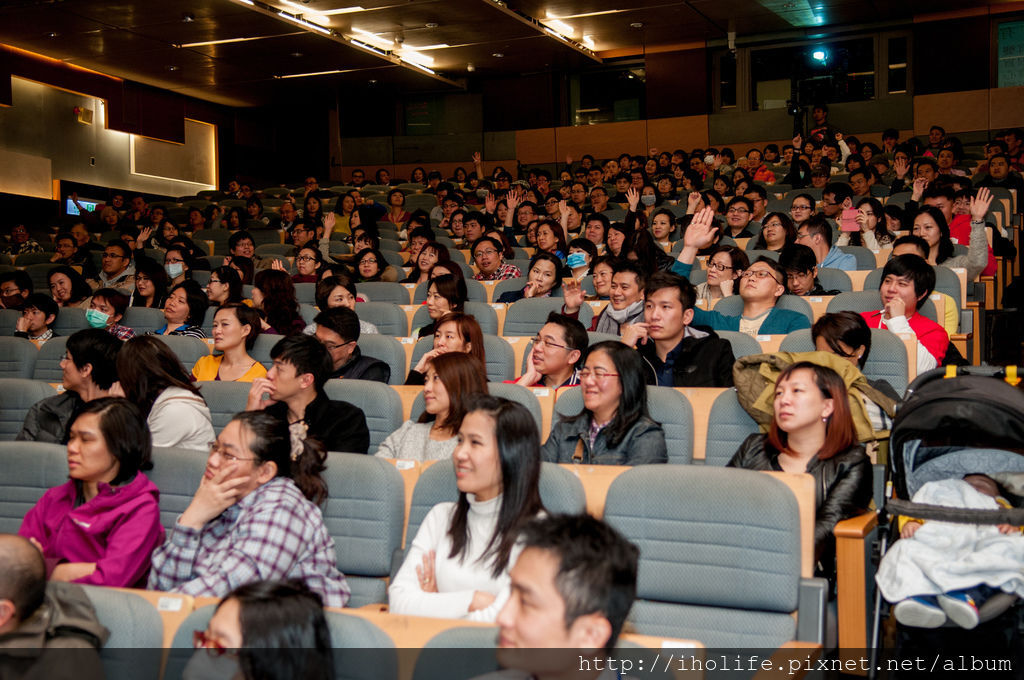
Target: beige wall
{"x": 971, "y": 110}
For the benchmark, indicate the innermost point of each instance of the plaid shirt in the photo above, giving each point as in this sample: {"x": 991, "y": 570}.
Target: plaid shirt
{"x": 273, "y": 533}
{"x": 505, "y": 271}
{"x": 121, "y": 332}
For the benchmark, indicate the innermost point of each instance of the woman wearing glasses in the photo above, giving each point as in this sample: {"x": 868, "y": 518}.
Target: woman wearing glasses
{"x": 273, "y": 630}
{"x": 220, "y": 542}
{"x": 801, "y": 208}
{"x": 613, "y": 428}
{"x": 725, "y": 266}
{"x": 308, "y": 264}
{"x": 777, "y": 232}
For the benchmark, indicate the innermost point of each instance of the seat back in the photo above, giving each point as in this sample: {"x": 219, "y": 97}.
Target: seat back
{"x": 834, "y": 279}
{"x": 8, "y": 321}
{"x": 499, "y": 354}
{"x": 47, "y": 367}
{"x": 560, "y": 491}
{"x": 17, "y": 357}
{"x": 886, "y": 361}
{"x": 17, "y": 395}
{"x": 666, "y": 406}
{"x": 383, "y": 291}
{"x": 177, "y": 473}
{"x": 481, "y": 311}
{"x": 741, "y": 343}
{"x": 869, "y": 301}
{"x": 380, "y": 404}
{"x": 225, "y": 399}
{"x": 145, "y": 319}
{"x": 733, "y": 305}
{"x": 475, "y": 291}
{"x": 261, "y": 349}
{"x": 305, "y": 293}
{"x": 865, "y": 258}
{"x": 436, "y": 660}
{"x": 510, "y": 391}
{"x": 387, "y": 349}
{"x": 188, "y": 350}
{"x": 740, "y": 532}
{"x": 69, "y": 320}
{"x": 30, "y": 469}
{"x": 728, "y": 426}
{"x": 527, "y": 316}
{"x": 134, "y": 648}
{"x": 388, "y": 317}
{"x": 364, "y": 514}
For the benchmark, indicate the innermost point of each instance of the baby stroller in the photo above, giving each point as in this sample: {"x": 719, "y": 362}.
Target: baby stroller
{"x": 954, "y": 421}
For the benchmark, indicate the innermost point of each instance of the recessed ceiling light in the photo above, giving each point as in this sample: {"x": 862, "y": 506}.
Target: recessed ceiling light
{"x": 636, "y": 24}
{"x": 172, "y": 68}
{"x": 52, "y": 34}
{"x": 296, "y": 54}
{"x": 499, "y": 55}
{"x": 188, "y": 18}
{"x": 432, "y": 24}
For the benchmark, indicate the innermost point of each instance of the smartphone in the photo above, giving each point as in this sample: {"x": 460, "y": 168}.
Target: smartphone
{"x": 848, "y": 220}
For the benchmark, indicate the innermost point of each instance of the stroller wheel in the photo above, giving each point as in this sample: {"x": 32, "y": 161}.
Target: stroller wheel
{"x": 918, "y": 612}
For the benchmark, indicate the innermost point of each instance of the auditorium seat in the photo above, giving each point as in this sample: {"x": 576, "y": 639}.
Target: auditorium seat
{"x": 865, "y": 258}
{"x": 388, "y": 317}
{"x": 364, "y": 513}
{"x": 728, "y": 426}
{"x": 666, "y": 406}
{"x": 724, "y": 567}
{"x": 387, "y": 349}
{"x": 17, "y": 396}
{"x": 17, "y": 357}
{"x": 834, "y": 279}
{"x": 887, "y": 360}
{"x": 499, "y": 354}
{"x": 382, "y": 291}
{"x": 47, "y": 367}
{"x": 379, "y": 403}
{"x": 869, "y": 301}
{"x": 474, "y": 289}
{"x": 733, "y": 305}
{"x": 225, "y": 399}
{"x": 527, "y": 316}
{"x": 187, "y": 349}
{"x": 510, "y": 391}
{"x": 145, "y": 319}
{"x": 177, "y": 473}
{"x": 29, "y": 469}
{"x": 69, "y": 320}
{"x": 481, "y": 311}
{"x": 742, "y": 344}
{"x": 306, "y": 293}
{"x": 135, "y": 646}
{"x": 437, "y": 660}
{"x": 8, "y": 320}
{"x": 261, "y": 349}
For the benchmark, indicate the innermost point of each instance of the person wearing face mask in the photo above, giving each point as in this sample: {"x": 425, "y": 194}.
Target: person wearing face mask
{"x": 106, "y": 309}
{"x": 178, "y": 265}
{"x": 626, "y": 299}
{"x": 581, "y": 253}
{"x": 14, "y": 288}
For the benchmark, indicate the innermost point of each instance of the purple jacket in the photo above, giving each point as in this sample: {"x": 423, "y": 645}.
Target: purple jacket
{"x": 118, "y": 530}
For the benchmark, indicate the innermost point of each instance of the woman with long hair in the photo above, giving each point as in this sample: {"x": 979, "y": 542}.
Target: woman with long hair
{"x": 456, "y": 332}
{"x": 449, "y": 380}
{"x": 150, "y": 284}
{"x": 68, "y": 288}
{"x": 272, "y": 630}
{"x": 615, "y": 405}
{"x": 220, "y": 542}
{"x": 313, "y": 212}
{"x": 930, "y": 224}
{"x": 813, "y": 432}
{"x": 101, "y": 526}
{"x": 245, "y": 267}
{"x": 235, "y": 329}
{"x": 273, "y": 294}
{"x": 152, "y": 377}
{"x": 430, "y": 254}
{"x": 224, "y": 286}
{"x": 873, "y": 233}
{"x": 459, "y": 560}
{"x": 544, "y": 277}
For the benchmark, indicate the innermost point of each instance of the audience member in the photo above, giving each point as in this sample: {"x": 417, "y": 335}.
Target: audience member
{"x": 235, "y": 329}
{"x": 931, "y": 225}
{"x": 557, "y": 351}
{"x": 150, "y": 285}
{"x": 152, "y": 377}
{"x": 184, "y": 311}
{"x": 106, "y": 310}
{"x": 224, "y": 286}
{"x": 816, "y": 234}
{"x": 488, "y": 257}
{"x": 68, "y": 288}
{"x": 117, "y": 269}
{"x": 38, "y": 314}
{"x": 293, "y": 391}
{"x": 626, "y": 299}
{"x": 725, "y": 266}
{"x": 777, "y": 233}
{"x": 254, "y": 517}
{"x": 450, "y": 379}
{"x": 339, "y": 291}
{"x": 544, "y": 277}
{"x": 338, "y": 329}
{"x": 445, "y": 294}
{"x": 456, "y": 332}
{"x": 101, "y": 526}
{"x": 801, "y": 268}
{"x": 613, "y": 428}
{"x": 457, "y": 564}
{"x": 87, "y": 373}
{"x": 14, "y": 288}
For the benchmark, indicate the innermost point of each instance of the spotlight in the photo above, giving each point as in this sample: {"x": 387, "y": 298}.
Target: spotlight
{"x": 819, "y": 55}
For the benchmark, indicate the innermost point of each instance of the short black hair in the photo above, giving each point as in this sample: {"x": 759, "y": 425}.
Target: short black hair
{"x": 915, "y": 241}
{"x": 239, "y": 236}
{"x": 95, "y": 347}
{"x": 840, "y": 191}
{"x": 44, "y": 303}
{"x": 575, "y": 333}
{"x": 818, "y": 224}
{"x": 741, "y": 199}
{"x": 757, "y": 189}
{"x": 860, "y": 171}
{"x": 845, "y": 327}
{"x": 629, "y": 266}
{"x": 126, "y": 435}
{"x": 597, "y": 567}
{"x": 915, "y": 268}
{"x": 22, "y": 575}
{"x": 196, "y": 299}
{"x": 307, "y": 355}
{"x": 662, "y": 280}
{"x": 797, "y": 258}
{"x": 117, "y": 299}
{"x": 341, "y": 320}
{"x": 120, "y": 245}
{"x": 20, "y": 278}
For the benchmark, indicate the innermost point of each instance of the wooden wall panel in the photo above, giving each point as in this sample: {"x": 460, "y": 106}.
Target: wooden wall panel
{"x": 955, "y": 111}
{"x": 1006, "y": 106}
{"x": 601, "y": 141}
{"x": 536, "y": 145}
{"x": 668, "y": 134}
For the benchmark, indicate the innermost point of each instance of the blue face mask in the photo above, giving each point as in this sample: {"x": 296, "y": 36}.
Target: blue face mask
{"x": 175, "y": 269}
{"x": 648, "y": 199}
{"x": 576, "y": 260}
{"x": 96, "y": 319}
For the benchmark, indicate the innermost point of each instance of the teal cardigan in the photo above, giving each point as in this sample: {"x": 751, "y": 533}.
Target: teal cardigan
{"x": 778, "y": 321}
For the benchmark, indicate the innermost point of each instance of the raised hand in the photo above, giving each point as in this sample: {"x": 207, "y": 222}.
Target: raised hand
{"x": 692, "y": 201}
{"x": 718, "y": 162}
{"x": 901, "y": 166}
{"x": 259, "y": 395}
{"x": 980, "y": 204}
{"x": 632, "y": 333}
{"x": 278, "y": 265}
{"x": 490, "y": 203}
{"x": 477, "y": 158}
{"x": 633, "y": 196}
{"x": 329, "y": 220}
{"x": 701, "y": 232}
{"x": 798, "y": 144}
{"x": 426, "y": 573}
{"x": 920, "y": 184}
{"x": 895, "y": 308}
{"x": 573, "y": 295}
{"x": 421, "y": 365}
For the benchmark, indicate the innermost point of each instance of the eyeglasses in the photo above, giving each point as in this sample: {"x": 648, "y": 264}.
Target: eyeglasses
{"x": 718, "y": 267}
{"x": 218, "y": 281}
{"x": 224, "y": 456}
{"x": 539, "y": 342}
{"x": 799, "y": 207}
{"x": 177, "y": 261}
{"x": 598, "y": 374}
{"x": 737, "y": 210}
{"x": 305, "y": 258}
{"x": 486, "y": 253}
{"x": 759, "y": 274}
{"x": 368, "y": 260}
{"x": 113, "y": 256}
{"x": 801, "y": 234}
{"x": 200, "y": 640}
{"x": 331, "y": 347}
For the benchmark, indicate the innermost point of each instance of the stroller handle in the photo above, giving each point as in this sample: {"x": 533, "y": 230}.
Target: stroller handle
{"x": 1011, "y": 374}
{"x": 944, "y": 513}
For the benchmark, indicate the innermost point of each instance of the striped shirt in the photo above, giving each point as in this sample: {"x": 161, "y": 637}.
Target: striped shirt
{"x": 273, "y": 533}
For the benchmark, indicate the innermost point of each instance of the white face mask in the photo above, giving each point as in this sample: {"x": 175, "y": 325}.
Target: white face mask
{"x": 174, "y": 270}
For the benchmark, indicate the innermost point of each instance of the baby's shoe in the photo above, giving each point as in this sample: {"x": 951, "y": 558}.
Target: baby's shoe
{"x": 960, "y": 608}
{"x": 919, "y": 612}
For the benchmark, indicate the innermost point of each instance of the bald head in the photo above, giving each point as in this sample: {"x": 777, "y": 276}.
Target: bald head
{"x": 22, "y": 580}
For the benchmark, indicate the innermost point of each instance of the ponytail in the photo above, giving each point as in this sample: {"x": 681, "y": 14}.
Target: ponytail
{"x": 297, "y": 457}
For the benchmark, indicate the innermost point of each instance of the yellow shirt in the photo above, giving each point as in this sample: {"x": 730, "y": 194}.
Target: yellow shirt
{"x": 208, "y": 367}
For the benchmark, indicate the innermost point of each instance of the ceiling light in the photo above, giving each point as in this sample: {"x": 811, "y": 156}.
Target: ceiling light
{"x": 371, "y": 48}
{"x": 303, "y": 22}
{"x": 636, "y": 24}
{"x": 343, "y": 10}
{"x": 172, "y": 68}
{"x": 499, "y": 55}
{"x": 412, "y": 55}
{"x": 313, "y": 73}
{"x": 374, "y": 39}
{"x": 296, "y": 54}
{"x": 227, "y": 40}
{"x": 588, "y": 40}
{"x": 422, "y": 68}
{"x": 248, "y": 2}
{"x": 438, "y": 46}
{"x": 560, "y": 26}
{"x": 431, "y": 24}
{"x": 470, "y": 67}
{"x": 188, "y": 18}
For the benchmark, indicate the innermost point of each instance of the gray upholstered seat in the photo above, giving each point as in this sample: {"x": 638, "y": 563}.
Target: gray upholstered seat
{"x": 188, "y": 350}
{"x": 133, "y": 649}
{"x": 387, "y": 349}
{"x": 742, "y": 344}
{"x": 145, "y": 319}
{"x": 17, "y": 396}
{"x": 869, "y": 301}
{"x": 510, "y": 391}
{"x": 728, "y": 426}
{"x": 225, "y": 399}
{"x": 887, "y": 360}
{"x": 17, "y": 357}
{"x": 733, "y": 305}
{"x": 47, "y": 367}
{"x": 379, "y": 403}
{"x": 177, "y": 473}
{"x": 527, "y": 316}
{"x": 388, "y": 317}
{"x": 499, "y": 354}
{"x": 29, "y": 470}
{"x": 383, "y": 291}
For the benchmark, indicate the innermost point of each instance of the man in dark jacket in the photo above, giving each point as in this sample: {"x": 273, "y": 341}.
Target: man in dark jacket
{"x": 88, "y": 372}
{"x": 40, "y": 623}
{"x": 675, "y": 353}
{"x": 294, "y": 392}
{"x": 338, "y": 330}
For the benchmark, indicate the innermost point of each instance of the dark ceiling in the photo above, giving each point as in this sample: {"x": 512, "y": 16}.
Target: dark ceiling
{"x": 152, "y": 41}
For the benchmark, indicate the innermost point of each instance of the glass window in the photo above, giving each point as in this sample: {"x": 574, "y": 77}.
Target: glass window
{"x": 1010, "y": 64}
{"x": 727, "y": 80}
{"x": 610, "y": 96}
{"x": 842, "y": 71}
{"x": 897, "y": 65}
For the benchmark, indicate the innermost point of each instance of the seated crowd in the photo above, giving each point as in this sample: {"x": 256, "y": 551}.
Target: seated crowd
{"x": 254, "y": 534}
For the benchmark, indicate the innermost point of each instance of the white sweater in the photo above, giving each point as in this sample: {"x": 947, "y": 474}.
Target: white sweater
{"x": 182, "y": 419}
{"x": 457, "y": 580}
{"x": 412, "y": 442}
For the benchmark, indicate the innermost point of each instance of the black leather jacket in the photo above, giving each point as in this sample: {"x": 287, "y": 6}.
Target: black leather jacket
{"x": 842, "y": 486}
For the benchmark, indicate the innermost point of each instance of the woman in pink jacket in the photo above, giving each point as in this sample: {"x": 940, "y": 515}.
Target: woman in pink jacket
{"x": 102, "y": 525}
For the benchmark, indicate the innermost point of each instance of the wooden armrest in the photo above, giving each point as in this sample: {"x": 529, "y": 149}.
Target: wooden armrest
{"x": 791, "y": 660}
{"x": 856, "y": 527}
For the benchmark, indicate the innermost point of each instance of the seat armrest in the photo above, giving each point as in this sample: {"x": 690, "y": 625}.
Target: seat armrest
{"x": 810, "y": 617}
{"x": 856, "y": 527}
